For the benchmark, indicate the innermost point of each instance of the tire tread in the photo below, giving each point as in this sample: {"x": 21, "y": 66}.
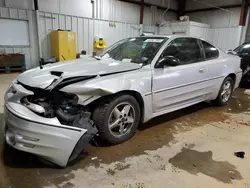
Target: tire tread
{"x": 218, "y": 101}
{"x": 99, "y": 116}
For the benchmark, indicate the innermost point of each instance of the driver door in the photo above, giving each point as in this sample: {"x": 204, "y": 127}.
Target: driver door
{"x": 179, "y": 86}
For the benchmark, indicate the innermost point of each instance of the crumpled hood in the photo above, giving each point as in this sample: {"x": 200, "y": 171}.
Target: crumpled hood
{"x": 87, "y": 66}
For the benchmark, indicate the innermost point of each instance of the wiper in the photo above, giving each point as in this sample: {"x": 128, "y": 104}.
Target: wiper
{"x": 41, "y": 63}
{"x": 97, "y": 57}
{"x": 140, "y": 62}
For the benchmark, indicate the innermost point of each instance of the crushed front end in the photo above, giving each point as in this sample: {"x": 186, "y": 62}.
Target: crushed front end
{"x": 48, "y": 123}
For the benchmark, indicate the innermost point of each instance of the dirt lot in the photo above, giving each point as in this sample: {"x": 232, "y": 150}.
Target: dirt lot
{"x": 193, "y": 147}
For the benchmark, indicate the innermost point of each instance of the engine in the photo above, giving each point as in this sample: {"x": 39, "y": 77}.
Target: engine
{"x": 64, "y": 106}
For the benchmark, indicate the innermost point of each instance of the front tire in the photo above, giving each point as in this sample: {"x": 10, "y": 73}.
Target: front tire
{"x": 117, "y": 118}
{"x": 225, "y": 92}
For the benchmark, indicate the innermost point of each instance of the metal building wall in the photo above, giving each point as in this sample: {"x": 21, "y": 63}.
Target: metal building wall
{"x": 201, "y": 31}
{"x": 217, "y": 18}
{"x": 245, "y": 36}
{"x": 86, "y": 29}
{"x": 148, "y": 16}
{"x": 164, "y": 3}
{"x": 21, "y": 4}
{"x": 170, "y": 28}
{"x": 31, "y": 52}
{"x": 150, "y": 29}
{"x": 113, "y": 10}
{"x": 200, "y": 4}
{"x": 224, "y": 38}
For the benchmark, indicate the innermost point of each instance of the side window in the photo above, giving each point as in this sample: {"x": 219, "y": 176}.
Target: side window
{"x": 187, "y": 50}
{"x": 210, "y": 51}
{"x": 243, "y": 49}
{"x": 247, "y": 50}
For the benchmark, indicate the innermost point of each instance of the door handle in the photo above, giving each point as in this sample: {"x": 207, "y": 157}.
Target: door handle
{"x": 201, "y": 70}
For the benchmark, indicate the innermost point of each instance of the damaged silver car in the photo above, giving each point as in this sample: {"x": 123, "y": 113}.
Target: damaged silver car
{"x": 54, "y": 110}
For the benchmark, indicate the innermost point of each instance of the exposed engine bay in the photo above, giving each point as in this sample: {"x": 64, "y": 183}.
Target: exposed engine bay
{"x": 50, "y": 104}
{"x": 65, "y": 108}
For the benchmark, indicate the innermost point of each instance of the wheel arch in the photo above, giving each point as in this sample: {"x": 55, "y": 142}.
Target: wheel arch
{"x": 133, "y": 93}
{"x": 139, "y": 99}
{"x": 233, "y": 76}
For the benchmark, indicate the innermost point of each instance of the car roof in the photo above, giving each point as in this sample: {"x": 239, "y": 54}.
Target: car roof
{"x": 164, "y": 36}
{"x": 173, "y": 36}
{"x": 186, "y": 36}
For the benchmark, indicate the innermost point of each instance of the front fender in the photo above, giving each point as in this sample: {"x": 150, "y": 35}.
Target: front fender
{"x": 138, "y": 80}
{"x": 93, "y": 89}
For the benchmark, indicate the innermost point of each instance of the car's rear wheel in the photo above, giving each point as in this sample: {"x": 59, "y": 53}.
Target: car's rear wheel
{"x": 225, "y": 92}
{"x": 117, "y": 118}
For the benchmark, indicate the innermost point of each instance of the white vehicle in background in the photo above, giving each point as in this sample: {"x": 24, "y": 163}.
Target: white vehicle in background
{"x": 55, "y": 110}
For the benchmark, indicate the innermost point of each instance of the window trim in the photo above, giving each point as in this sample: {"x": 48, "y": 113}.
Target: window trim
{"x": 198, "y": 43}
{"x": 207, "y": 59}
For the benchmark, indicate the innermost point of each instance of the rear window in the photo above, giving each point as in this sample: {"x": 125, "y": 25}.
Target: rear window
{"x": 243, "y": 49}
{"x": 210, "y": 51}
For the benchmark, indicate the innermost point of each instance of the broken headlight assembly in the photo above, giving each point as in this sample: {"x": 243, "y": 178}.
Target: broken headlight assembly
{"x": 10, "y": 91}
{"x": 62, "y": 118}
{"x": 63, "y": 106}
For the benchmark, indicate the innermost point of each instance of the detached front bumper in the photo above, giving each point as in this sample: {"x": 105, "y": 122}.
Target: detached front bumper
{"x": 54, "y": 143}
{"x": 46, "y": 137}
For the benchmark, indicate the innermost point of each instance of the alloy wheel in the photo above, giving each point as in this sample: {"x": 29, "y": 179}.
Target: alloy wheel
{"x": 121, "y": 119}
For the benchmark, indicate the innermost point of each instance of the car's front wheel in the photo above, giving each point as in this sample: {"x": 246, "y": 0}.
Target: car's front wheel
{"x": 117, "y": 118}
{"x": 225, "y": 92}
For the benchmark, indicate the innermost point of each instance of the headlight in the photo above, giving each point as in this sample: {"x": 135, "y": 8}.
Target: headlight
{"x": 33, "y": 107}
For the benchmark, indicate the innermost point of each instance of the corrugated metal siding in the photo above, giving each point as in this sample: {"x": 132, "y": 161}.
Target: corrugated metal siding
{"x": 247, "y": 39}
{"x": 31, "y": 52}
{"x": 224, "y": 38}
{"x": 217, "y": 18}
{"x": 201, "y": 31}
{"x": 193, "y": 5}
{"x": 175, "y": 28}
{"x": 163, "y": 3}
{"x": 148, "y": 16}
{"x": 246, "y": 29}
{"x": 113, "y": 10}
{"x": 149, "y": 28}
{"x": 21, "y": 4}
{"x": 86, "y": 29}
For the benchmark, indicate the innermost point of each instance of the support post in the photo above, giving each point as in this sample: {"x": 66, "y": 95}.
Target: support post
{"x": 141, "y": 11}
{"x": 36, "y": 5}
{"x": 243, "y": 12}
{"x": 181, "y": 8}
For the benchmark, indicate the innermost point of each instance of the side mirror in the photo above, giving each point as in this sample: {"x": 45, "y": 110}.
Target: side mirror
{"x": 167, "y": 61}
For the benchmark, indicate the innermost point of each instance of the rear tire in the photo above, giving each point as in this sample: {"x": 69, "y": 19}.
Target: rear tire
{"x": 117, "y": 118}
{"x": 225, "y": 92}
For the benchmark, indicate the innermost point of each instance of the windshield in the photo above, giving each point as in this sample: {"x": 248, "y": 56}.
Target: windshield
{"x": 140, "y": 50}
{"x": 244, "y": 48}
